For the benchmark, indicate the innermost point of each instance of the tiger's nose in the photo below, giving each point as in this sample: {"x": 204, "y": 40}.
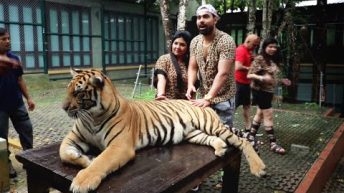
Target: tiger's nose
{"x": 65, "y": 106}
{"x": 68, "y": 107}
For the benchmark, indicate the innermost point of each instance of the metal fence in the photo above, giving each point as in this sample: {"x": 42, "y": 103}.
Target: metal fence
{"x": 23, "y": 20}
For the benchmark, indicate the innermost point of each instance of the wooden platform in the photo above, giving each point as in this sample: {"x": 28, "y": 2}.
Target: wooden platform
{"x": 176, "y": 168}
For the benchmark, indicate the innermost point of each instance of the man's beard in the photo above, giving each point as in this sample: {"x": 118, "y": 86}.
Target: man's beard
{"x": 5, "y": 49}
{"x": 207, "y": 30}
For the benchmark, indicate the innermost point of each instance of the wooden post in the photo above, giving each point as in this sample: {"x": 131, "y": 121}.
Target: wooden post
{"x": 4, "y": 172}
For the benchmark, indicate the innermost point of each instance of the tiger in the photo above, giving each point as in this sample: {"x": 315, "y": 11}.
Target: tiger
{"x": 117, "y": 126}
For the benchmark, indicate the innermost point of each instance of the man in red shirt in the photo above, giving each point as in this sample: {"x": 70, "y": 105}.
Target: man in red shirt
{"x": 243, "y": 59}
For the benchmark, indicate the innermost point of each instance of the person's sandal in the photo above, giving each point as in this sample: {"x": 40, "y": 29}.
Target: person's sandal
{"x": 252, "y": 139}
{"x": 195, "y": 189}
{"x": 277, "y": 148}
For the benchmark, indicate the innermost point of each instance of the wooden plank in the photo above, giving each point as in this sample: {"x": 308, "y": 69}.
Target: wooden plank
{"x": 177, "y": 168}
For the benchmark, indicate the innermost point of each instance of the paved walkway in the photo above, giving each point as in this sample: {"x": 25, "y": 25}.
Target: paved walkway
{"x": 303, "y": 135}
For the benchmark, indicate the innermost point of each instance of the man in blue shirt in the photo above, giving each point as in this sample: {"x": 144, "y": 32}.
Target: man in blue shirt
{"x": 12, "y": 90}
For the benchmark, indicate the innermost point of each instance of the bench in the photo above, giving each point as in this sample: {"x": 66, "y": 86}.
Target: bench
{"x": 175, "y": 168}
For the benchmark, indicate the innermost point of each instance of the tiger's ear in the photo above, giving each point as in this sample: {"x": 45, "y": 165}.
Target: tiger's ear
{"x": 97, "y": 81}
{"x": 74, "y": 72}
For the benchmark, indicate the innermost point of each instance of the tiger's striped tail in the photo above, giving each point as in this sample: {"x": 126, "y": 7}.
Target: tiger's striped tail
{"x": 256, "y": 164}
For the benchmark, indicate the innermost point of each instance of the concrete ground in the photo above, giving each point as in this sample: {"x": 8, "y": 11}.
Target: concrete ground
{"x": 304, "y": 135}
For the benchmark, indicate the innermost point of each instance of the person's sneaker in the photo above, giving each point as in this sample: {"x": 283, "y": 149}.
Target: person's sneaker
{"x": 13, "y": 173}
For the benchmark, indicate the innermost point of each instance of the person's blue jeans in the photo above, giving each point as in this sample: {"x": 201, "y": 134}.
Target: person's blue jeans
{"x": 21, "y": 123}
{"x": 225, "y": 110}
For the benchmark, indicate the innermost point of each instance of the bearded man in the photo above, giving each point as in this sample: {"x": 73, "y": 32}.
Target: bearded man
{"x": 212, "y": 55}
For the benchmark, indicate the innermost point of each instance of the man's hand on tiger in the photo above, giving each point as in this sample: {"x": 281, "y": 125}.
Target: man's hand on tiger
{"x": 200, "y": 103}
{"x": 190, "y": 92}
{"x": 161, "y": 97}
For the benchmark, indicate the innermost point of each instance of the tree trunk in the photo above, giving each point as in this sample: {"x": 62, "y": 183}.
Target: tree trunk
{"x": 267, "y": 18}
{"x": 292, "y": 59}
{"x": 293, "y": 55}
{"x": 319, "y": 67}
{"x": 182, "y": 14}
{"x": 252, "y": 7}
{"x": 264, "y": 18}
{"x": 166, "y": 22}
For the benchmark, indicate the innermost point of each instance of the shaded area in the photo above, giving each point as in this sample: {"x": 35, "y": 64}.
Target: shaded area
{"x": 336, "y": 182}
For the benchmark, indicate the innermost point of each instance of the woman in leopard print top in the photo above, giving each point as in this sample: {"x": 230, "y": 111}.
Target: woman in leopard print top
{"x": 171, "y": 69}
{"x": 264, "y": 74}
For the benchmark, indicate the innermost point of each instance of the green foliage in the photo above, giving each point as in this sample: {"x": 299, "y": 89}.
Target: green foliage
{"x": 147, "y": 95}
{"x": 219, "y": 5}
{"x": 242, "y": 4}
{"x": 152, "y": 5}
{"x": 311, "y": 106}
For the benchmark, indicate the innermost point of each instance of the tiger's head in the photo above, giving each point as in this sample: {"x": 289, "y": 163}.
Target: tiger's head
{"x": 89, "y": 94}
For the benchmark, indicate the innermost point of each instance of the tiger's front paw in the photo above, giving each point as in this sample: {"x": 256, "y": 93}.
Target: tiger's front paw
{"x": 220, "y": 147}
{"x": 85, "y": 181}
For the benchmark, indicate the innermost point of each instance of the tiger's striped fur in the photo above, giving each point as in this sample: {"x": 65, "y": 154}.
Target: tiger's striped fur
{"x": 118, "y": 127}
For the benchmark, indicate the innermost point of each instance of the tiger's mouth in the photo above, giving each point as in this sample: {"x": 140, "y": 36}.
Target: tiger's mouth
{"x": 88, "y": 103}
{"x": 83, "y": 114}
{"x": 73, "y": 113}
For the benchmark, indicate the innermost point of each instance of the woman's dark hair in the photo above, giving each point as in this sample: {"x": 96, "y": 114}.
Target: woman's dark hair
{"x": 276, "y": 57}
{"x": 187, "y": 38}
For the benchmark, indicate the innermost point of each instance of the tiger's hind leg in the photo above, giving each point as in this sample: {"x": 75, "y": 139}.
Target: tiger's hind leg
{"x": 199, "y": 137}
{"x": 256, "y": 164}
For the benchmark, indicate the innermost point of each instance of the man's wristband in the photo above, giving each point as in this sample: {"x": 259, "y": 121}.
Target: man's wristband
{"x": 207, "y": 97}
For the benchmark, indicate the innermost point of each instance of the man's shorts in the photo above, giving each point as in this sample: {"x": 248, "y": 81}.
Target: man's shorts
{"x": 242, "y": 95}
{"x": 262, "y": 99}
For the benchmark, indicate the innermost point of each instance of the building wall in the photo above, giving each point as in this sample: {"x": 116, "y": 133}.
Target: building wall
{"x": 333, "y": 84}
{"x": 49, "y": 42}
{"x": 97, "y": 40}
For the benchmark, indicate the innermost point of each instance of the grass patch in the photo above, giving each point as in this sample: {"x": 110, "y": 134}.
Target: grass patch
{"x": 41, "y": 82}
{"x": 147, "y": 95}
{"x": 45, "y": 91}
